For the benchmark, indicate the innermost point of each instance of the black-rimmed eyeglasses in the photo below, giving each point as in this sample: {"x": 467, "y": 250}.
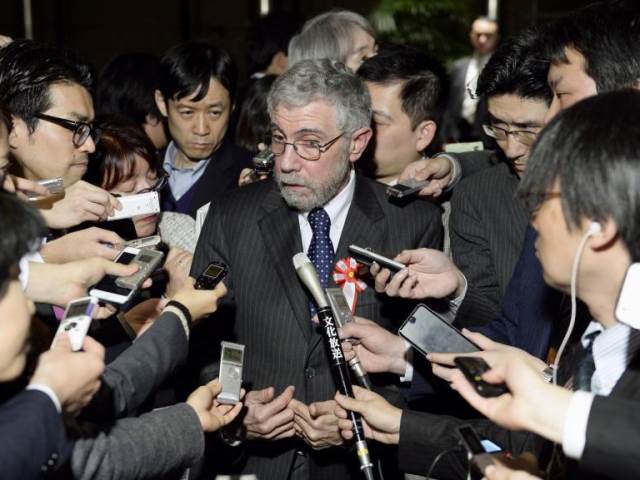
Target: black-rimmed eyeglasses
{"x": 307, "y": 149}
{"x": 81, "y": 130}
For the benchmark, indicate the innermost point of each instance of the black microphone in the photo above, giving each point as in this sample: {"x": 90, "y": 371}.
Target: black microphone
{"x": 308, "y": 275}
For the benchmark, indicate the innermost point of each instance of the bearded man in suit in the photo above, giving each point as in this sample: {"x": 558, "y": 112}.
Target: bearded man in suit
{"x": 316, "y": 203}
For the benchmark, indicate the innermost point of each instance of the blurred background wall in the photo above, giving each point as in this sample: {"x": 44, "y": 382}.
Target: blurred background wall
{"x": 98, "y": 30}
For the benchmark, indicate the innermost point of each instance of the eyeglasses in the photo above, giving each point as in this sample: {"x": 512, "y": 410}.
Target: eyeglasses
{"x": 161, "y": 181}
{"x": 307, "y": 149}
{"x": 525, "y": 137}
{"x": 81, "y": 130}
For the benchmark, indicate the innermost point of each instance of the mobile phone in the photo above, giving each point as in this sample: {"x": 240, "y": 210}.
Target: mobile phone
{"x": 231, "y": 360}
{"x": 429, "y": 332}
{"x": 263, "y": 162}
{"x": 147, "y": 261}
{"x": 368, "y": 256}
{"x": 480, "y": 458}
{"x": 628, "y": 299}
{"x": 135, "y": 205}
{"x": 473, "y": 368}
{"x": 338, "y": 302}
{"x": 406, "y": 188}
{"x": 54, "y": 185}
{"x": 76, "y": 321}
{"x": 212, "y": 276}
{"x": 145, "y": 242}
{"x": 107, "y": 290}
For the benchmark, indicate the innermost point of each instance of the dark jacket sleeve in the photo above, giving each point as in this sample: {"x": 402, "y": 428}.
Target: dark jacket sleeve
{"x": 423, "y": 436}
{"x": 32, "y": 435}
{"x": 140, "y": 370}
{"x": 164, "y": 441}
{"x": 613, "y": 437}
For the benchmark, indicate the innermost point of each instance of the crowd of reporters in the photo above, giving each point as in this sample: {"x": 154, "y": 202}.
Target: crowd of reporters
{"x": 528, "y": 246}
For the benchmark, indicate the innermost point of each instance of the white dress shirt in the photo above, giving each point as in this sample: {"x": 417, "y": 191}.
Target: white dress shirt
{"x": 337, "y": 208}
{"x": 613, "y": 350}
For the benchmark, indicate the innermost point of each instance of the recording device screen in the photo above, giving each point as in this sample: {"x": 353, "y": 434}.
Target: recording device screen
{"x": 108, "y": 283}
{"x": 232, "y": 355}
{"x": 428, "y": 332}
{"x": 77, "y": 309}
{"x": 213, "y": 271}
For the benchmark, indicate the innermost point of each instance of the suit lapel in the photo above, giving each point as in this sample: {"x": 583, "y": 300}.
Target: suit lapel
{"x": 281, "y": 234}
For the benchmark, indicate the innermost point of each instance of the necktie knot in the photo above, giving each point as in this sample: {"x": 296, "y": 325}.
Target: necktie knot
{"x": 319, "y": 220}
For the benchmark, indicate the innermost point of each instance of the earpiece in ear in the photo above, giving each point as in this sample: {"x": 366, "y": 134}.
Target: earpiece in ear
{"x": 594, "y": 228}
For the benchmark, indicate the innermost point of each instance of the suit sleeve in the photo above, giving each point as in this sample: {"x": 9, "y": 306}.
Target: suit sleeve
{"x": 613, "y": 436}
{"x": 32, "y": 435}
{"x": 140, "y": 370}
{"x": 423, "y": 436}
{"x": 472, "y": 255}
{"x": 168, "y": 440}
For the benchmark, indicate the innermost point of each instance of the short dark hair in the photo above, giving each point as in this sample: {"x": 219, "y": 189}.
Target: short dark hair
{"x": 593, "y": 150}
{"x": 5, "y": 116}
{"x": 517, "y": 68}
{"x": 254, "y": 124}
{"x": 423, "y": 80}
{"x": 114, "y": 159}
{"x": 607, "y": 35}
{"x": 127, "y": 86}
{"x": 28, "y": 69}
{"x": 187, "y": 69}
{"x": 22, "y": 228}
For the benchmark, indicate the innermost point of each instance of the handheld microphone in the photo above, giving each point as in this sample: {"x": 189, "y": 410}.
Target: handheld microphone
{"x": 308, "y": 275}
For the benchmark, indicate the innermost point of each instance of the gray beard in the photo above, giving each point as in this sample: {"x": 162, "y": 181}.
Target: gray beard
{"x": 320, "y": 194}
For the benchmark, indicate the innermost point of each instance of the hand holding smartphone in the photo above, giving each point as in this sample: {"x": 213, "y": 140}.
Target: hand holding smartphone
{"x": 367, "y": 256}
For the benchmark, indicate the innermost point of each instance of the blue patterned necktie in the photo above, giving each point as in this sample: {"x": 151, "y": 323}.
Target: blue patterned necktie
{"x": 320, "y": 249}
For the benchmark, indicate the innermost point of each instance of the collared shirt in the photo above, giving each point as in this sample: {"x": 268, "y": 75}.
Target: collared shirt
{"x": 337, "y": 208}
{"x": 469, "y": 103}
{"x": 181, "y": 179}
{"x": 613, "y": 350}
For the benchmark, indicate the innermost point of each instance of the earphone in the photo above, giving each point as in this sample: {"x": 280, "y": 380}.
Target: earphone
{"x": 594, "y": 229}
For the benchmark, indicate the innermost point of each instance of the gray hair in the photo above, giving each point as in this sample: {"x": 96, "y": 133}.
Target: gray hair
{"x": 326, "y": 81}
{"x": 328, "y": 35}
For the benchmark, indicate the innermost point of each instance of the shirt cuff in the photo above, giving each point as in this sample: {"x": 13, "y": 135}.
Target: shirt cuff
{"x": 456, "y": 170}
{"x": 454, "y": 303}
{"x": 48, "y": 392}
{"x": 408, "y": 369}
{"x": 574, "y": 435}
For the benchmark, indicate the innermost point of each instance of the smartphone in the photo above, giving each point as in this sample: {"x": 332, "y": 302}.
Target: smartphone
{"x": 263, "y": 162}
{"x": 429, "y": 332}
{"x": 231, "y": 361}
{"x": 367, "y": 256}
{"x": 339, "y": 306}
{"x": 473, "y": 368}
{"x": 480, "y": 457}
{"x": 76, "y": 321}
{"x": 147, "y": 260}
{"x": 107, "y": 290}
{"x": 212, "y": 276}
{"x": 406, "y": 188}
{"x": 144, "y": 242}
{"x": 628, "y": 299}
{"x": 135, "y": 205}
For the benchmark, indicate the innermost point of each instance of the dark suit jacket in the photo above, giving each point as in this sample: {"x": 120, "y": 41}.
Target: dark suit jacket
{"x": 32, "y": 435}
{"x": 221, "y": 175}
{"x": 487, "y": 226}
{"x": 256, "y": 234}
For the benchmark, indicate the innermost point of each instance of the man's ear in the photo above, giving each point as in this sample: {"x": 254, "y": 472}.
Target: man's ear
{"x": 636, "y": 84}
{"x": 424, "y": 134}
{"x": 604, "y": 238}
{"x": 18, "y": 133}
{"x": 359, "y": 141}
{"x": 280, "y": 62}
{"x": 161, "y": 103}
